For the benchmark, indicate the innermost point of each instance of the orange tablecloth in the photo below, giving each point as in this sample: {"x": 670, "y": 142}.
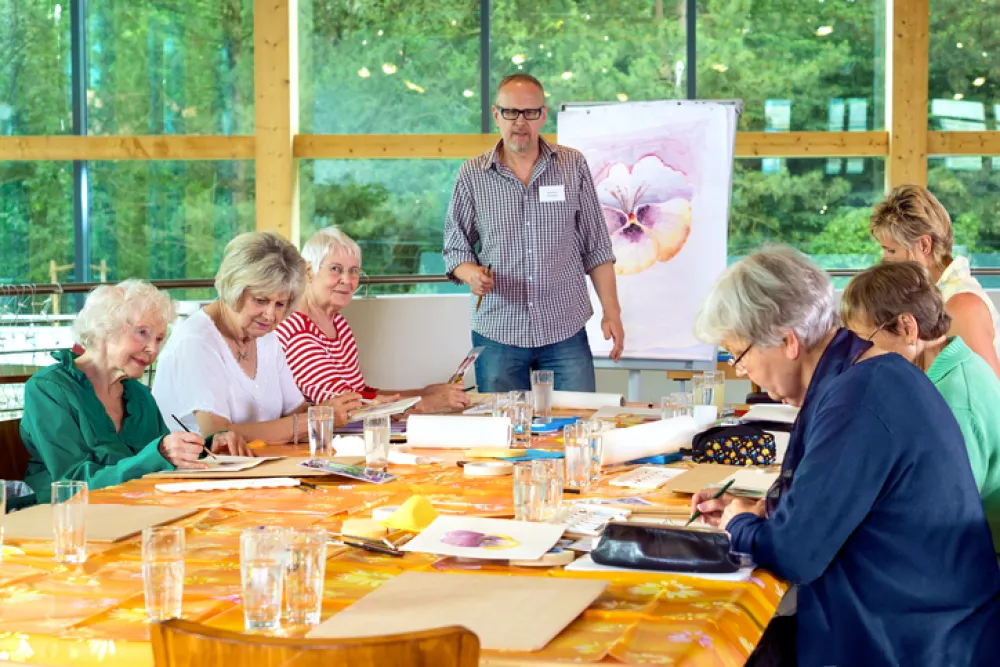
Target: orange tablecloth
{"x": 93, "y": 613}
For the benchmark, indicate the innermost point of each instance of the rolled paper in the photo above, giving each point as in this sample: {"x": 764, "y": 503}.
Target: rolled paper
{"x": 348, "y": 445}
{"x": 585, "y": 400}
{"x": 457, "y": 432}
{"x": 637, "y": 442}
{"x": 705, "y": 415}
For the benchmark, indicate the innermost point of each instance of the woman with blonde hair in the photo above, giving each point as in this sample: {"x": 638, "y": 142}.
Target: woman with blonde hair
{"x": 224, "y": 368}
{"x": 88, "y": 417}
{"x": 898, "y": 308}
{"x": 911, "y": 224}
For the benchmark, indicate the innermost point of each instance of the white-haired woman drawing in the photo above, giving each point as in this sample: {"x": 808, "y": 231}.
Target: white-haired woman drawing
{"x": 88, "y": 417}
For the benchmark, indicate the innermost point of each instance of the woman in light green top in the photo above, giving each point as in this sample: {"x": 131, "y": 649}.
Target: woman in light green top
{"x": 900, "y": 310}
{"x": 88, "y": 417}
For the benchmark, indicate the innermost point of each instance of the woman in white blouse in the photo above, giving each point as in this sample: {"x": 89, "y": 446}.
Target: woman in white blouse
{"x": 223, "y": 368}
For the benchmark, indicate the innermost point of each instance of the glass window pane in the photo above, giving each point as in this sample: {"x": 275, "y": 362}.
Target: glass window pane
{"x": 394, "y": 209}
{"x": 171, "y": 67}
{"x": 402, "y": 66}
{"x": 586, "y": 51}
{"x": 35, "y": 89}
{"x": 964, "y": 86}
{"x": 36, "y": 222}
{"x": 969, "y": 188}
{"x": 820, "y": 206}
{"x": 164, "y": 219}
{"x": 797, "y": 66}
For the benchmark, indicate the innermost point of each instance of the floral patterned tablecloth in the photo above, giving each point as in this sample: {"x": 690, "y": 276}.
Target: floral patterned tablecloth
{"x": 93, "y": 613}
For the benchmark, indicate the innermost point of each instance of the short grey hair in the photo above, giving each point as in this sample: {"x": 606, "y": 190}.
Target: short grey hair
{"x": 322, "y": 242}
{"x": 765, "y": 294}
{"x": 261, "y": 263}
{"x": 110, "y": 308}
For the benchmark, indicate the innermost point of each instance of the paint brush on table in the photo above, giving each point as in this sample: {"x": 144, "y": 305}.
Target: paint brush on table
{"x": 489, "y": 272}
{"x": 208, "y": 452}
{"x": 718, "y": 494}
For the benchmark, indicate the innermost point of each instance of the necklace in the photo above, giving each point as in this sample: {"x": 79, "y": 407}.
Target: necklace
{"x": 242, "y": 355}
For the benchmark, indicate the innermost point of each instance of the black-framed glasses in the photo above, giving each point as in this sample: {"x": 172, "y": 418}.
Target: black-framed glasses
{"x": 512, "y": 114}
{"x": 735, "y": 361}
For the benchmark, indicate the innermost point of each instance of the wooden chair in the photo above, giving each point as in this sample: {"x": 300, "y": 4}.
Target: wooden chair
{"x": 179, "y": 643}
{"x": 14, "y": 456}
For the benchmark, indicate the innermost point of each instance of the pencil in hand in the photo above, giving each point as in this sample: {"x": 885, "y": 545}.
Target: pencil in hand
{"x": 718, "y": 494}
{"x": 489, "y": 272}
{"x": 208, "y": 452}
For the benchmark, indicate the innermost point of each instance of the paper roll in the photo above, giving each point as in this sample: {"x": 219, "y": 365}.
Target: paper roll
{"x": 451, "y": 432}
{"x": 488, "y": 468}
{"x": 636, "y": 442}
{"x": 585, "y": 400}
{"x": 705, "y": 415}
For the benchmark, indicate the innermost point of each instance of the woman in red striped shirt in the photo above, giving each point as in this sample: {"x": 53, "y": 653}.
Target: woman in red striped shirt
{"x": 318, "y": 342}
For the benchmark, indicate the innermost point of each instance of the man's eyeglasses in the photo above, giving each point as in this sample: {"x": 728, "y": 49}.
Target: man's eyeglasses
{"x": 735, "y": 361}
{"x": 512, "y": 114}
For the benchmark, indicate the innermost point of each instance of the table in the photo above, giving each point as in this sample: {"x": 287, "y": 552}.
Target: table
{"x": 93, "y": 613}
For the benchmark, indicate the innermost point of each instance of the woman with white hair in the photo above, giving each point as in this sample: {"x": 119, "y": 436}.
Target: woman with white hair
{"x": 88, "y": 417}
{"x": 318, "y": 341}
{"x": 224, "y": 368}
{"x": 875, "y": 515}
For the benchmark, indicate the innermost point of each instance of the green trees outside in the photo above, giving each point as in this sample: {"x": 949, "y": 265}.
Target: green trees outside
{"x": 413, "y": 66}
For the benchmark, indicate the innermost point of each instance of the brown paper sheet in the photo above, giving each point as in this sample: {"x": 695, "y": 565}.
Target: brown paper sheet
{"x": 506, "y": 613}
{"x": 702, "y": 476}
{"x": 105, "y": 523}
{"x": 284, "y": 467}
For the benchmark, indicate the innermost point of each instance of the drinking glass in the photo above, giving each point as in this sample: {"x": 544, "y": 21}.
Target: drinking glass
{"x": 578, "y": 455}
{"x": 304, "y": 572}
{"x": 163, "y": 571}
{"x": 320, "y": 430}
{"x": 521, "y": 411}
{"x": 594, "y": 430}
{"x": 262, "y": 569}
{"x": 713, "y": 388}
{"x": 377, "y": 443}
{"x": 529, "y": 492}
{"x": 3, "y": 511}
{"x": 677, "y": 404}
{"x": 500, "y": 404}
{"x": 551, "y": 471}
{"x": 542, "y": 385}
{"x": 69, "y": 521}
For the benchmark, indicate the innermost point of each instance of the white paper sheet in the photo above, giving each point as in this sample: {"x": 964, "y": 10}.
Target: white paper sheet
{"x": 231, "y": 463}
{"x": 660, "y": 437}
{"x": 228, "y": 484}
{"x": 457, "y": 431}
{"x": 771, "y": 412}
{"x": 491, "y": 539}
{"x": 752, "y": 481}
{"x": 375, "y": 410}
{"x": 587, "y": 564}
{"x": 585, "y": 400}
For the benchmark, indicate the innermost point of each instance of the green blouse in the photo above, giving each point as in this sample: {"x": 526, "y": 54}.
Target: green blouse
{"x": 70, "y": 435}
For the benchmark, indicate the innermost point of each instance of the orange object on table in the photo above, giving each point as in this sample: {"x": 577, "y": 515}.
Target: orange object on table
{"x": 94, "y": 614}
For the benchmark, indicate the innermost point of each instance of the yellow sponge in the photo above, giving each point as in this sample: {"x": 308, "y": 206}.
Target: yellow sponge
{"x": 414, "y": 515}
{"x": 492, "y": 453}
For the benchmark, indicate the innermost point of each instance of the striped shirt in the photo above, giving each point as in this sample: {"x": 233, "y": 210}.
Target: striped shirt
{"x": 322, "y": 367}
{"x": 540, "y": 251}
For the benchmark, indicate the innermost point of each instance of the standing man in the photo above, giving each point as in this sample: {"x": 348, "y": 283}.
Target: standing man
{"x": 524, "y": 229}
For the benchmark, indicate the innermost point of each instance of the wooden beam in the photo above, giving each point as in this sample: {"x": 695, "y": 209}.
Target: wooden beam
{"x": 907, "y": 44}
{"x": 151, "y": 147}
{"x": 276, "y": 97}
{"x": 464, "y": 146}
{"x": 963, "y": 143}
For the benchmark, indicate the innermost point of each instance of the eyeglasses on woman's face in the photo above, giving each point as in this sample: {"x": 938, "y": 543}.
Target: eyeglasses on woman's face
{"x": 735, "y": 361}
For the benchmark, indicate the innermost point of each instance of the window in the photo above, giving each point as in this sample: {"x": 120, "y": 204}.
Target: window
{"x": 794, "y": 64}
{"x": 163, "y": 219}
{"x": 395, "y": 67}
{"x": 170, "y": 67}
{"x": 35, "y": 69}
{"x": 36, "y": 222}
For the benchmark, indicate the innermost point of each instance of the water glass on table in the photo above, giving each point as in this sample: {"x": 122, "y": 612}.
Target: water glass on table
{"x": 522, "y": 407}
{"x": 262, "y": 570}
{"x": 304, "y": 572}
{"x": 542, "y": 384}
{"x": 377, "y": 443}
{"x": 320, "y": 430}
{"x": 578, "y": 457}
{"x": 710, "y": 389}
{"x": 69, "y": 521}
{"x": 163, "y": 571}
{"x": 500, "y": 404}
{"x": 551, "y": 471}
{"x": 594, "y": 430}
{"x": 529, "y": 492}
{"x": 3, "y": 510}
{"x": 678, "y": 404}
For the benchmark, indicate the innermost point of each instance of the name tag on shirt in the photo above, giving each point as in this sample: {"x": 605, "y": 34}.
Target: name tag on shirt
{"x": 551, "y": 193}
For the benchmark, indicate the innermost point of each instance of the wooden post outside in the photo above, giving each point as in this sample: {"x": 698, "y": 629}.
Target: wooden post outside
{"x": 906, "y": 81}
{"x": 276, "y": 98}
{"x": 54, "y": 278}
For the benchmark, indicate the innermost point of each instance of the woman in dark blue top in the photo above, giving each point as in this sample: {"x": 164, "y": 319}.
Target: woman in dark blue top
{"x": 875, "y": 516}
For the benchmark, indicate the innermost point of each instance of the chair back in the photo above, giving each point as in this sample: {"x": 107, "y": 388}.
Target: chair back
{"x": 178, "y": 643}
{"x": 14, "y": 455}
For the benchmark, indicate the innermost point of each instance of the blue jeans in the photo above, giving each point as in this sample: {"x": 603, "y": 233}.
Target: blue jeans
{"x": 506, "y": 367}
